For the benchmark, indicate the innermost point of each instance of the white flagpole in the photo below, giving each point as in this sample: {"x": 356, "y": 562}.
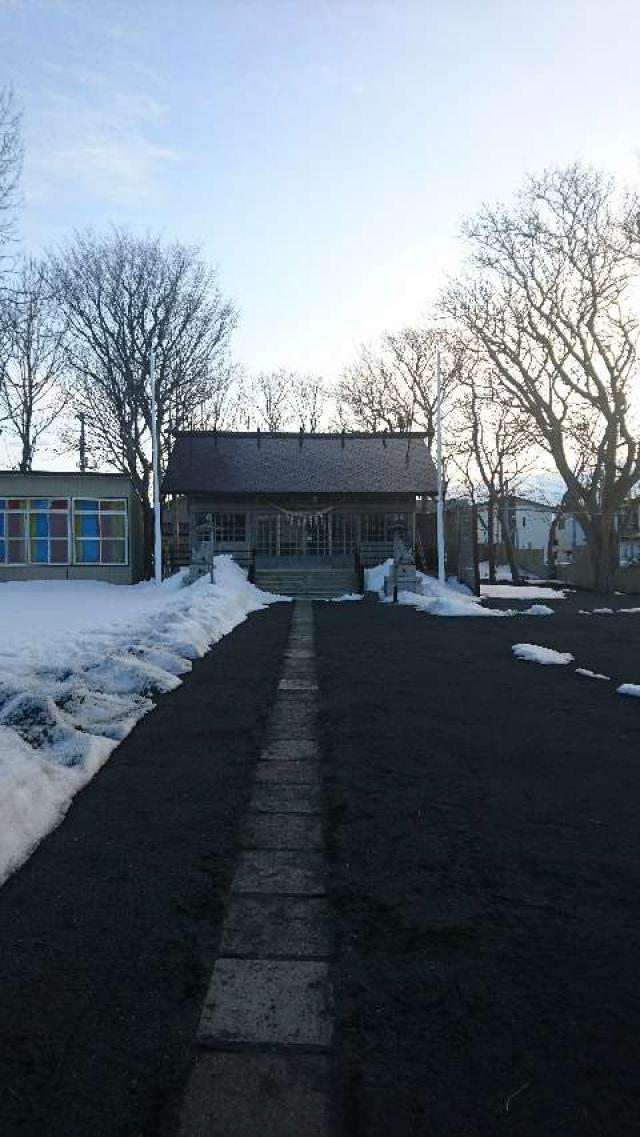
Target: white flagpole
{"x": 440, "y": 513}
{"x": 157, "y": 533}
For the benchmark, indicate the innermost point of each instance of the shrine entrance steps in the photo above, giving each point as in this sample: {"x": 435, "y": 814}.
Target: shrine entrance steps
{"x": 320, "y": 578}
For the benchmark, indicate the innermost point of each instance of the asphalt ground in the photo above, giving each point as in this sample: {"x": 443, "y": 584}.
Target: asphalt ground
{"x": 108, "y": 934}
{"x": 485, "y": 872}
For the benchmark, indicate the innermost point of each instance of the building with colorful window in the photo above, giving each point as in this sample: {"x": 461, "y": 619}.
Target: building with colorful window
{"x": 69, "y": 526}
{"x": 295, "y": 506}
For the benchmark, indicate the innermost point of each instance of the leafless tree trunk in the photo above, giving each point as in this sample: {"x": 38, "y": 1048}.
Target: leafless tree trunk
{"x": 10, "y": 163}
{"x": 547, "y": 301}
{"x": 32, "y": 361}
{"x": 121, "y": 296}
{"x": 493, "y": 448}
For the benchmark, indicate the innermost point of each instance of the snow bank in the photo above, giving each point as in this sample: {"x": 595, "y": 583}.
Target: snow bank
{"x": 521, "y": 592}
{"x": 450, "y": 599}
{"x": 591, "y": 674}
{"x": 80, "y": 663}
{"x": 629, "y": 689}
{"x": 533, "y": 653}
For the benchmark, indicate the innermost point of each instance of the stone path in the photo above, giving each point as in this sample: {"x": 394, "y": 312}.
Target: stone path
{"x": 262, "y": 1068}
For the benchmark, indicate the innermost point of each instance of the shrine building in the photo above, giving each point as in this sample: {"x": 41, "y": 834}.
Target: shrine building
{"x": 304, "y": 513}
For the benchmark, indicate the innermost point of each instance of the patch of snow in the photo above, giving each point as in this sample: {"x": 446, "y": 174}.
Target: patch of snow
{"x": 442, "y": 600}
{"x": 603, "y": 612}
{"x": 374, "y": 577}
{"x": 591, "y": 674}
{"x": 533, "y": 653}
{"x": 629, "y": 689}
{"x": 621, "y": 610}
{"x": 521, "y": 592}
{"x": 347, "y": 596}
{"x": 537, "y": 610}
{"x": 503, "y": 572}
{"x": 80, "y": 663}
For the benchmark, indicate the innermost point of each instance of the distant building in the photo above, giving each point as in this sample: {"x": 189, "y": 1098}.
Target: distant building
{"x": 629, "y": 533}
{"x": 69, "y": 526}
{"x": 529, "y": 525}
{"x": 294, "y": 505}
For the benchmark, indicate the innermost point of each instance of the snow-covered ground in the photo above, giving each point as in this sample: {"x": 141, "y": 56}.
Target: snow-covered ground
{"x": 534, "y": 653}
{"x": 80, "y": 663}
{"x": 521, "y": 592}
{"x": 452, "y": 598}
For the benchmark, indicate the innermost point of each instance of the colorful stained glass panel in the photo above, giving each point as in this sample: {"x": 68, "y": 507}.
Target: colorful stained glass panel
{"x": 17, "y": 552}
{"x": 112, "y": 525}
{"x": 40, "y": 551}
{"x": 88, "y": 552}
{"x": 58, "y": 524}
{"x": 59, "y": 552}
{"x": 113, "y": 552}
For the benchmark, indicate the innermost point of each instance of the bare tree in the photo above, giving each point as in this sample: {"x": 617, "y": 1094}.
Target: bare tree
{"x": 10, "y": 163}
{"x": 269, "y": 399}
{"x": 391, "y": 386}
{"x": 31, "y": 360}
{"x": 121, "y": 296}
{"x": 547, "y": 301}
{"x": 308, "y": 399}
{"x": 493, "y": 453}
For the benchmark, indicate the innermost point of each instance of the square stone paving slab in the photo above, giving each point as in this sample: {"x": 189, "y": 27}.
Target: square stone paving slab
{"x": 276, "y": 770}
{"x": 257, "y": 1095}
{"x": 283, "y": 831}
{"x": 280, "y": 871}
{"x": 284, "y": 1002}
{"x": 276, "y": 926}
{"x": 279, "y": 797}
{"x": 292, "y": 718}
{"x": 302, "y": 748}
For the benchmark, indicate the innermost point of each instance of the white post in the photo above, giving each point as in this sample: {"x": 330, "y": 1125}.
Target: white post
{"x": 157, "y": 532}
{"x": 440, "y": 513}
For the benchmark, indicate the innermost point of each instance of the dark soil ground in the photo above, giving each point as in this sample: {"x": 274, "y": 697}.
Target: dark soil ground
{"x": 485, "y": 876}
{"x": 108, "y": 934}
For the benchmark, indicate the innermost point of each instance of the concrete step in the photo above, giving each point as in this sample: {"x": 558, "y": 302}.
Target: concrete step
{"x": 314, "y": 583}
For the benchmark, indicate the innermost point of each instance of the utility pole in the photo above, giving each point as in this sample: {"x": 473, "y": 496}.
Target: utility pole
{"x": 157, "y": 533}
{"x": 440, "y": 513}
{"x": 82, "y": 464}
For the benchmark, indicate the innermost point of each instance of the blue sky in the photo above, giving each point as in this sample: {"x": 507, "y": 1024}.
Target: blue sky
{"x": 322, "y": 153}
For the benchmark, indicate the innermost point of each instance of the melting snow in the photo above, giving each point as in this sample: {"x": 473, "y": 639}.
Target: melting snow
{"x": 629, "y": 689}
{"x": 80, "y": 663}
{"x": 533, "y": 653}
{"x": 521, "y": 592}
{"x": 450, "y": 599}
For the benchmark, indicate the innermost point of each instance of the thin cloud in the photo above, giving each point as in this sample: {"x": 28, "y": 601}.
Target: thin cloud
{"x": 99, "y": 136}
